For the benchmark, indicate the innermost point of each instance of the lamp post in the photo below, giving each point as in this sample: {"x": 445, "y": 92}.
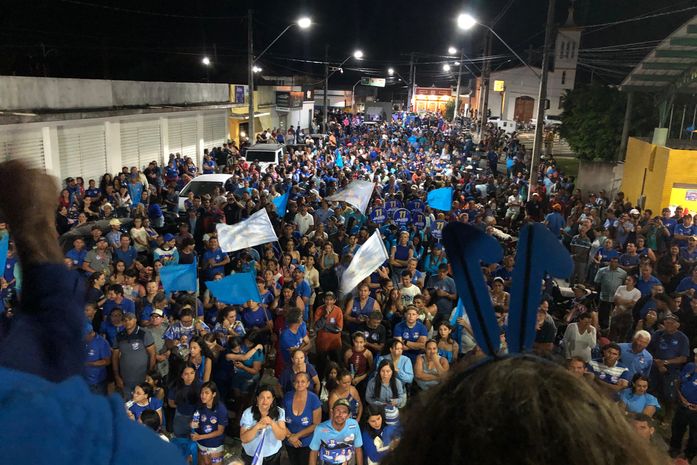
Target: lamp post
{"x": 358, "y": 55}
{"x": 302, "y": 23}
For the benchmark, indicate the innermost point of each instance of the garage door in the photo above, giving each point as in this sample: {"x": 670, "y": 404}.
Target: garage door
{"x": 182, "y": 136}
{"x": 140, "y": 143}
{"x": 214, "y": 130}
{"x": 23, "y": 145}
{"x": 82, "y": 152}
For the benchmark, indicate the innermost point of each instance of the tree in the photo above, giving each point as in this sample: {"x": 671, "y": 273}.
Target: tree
{"x": 449, "y": 109}
{"x": 593, "y": 116}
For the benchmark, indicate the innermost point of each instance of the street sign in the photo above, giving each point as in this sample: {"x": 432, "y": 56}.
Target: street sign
{"x": 374, "y": 82}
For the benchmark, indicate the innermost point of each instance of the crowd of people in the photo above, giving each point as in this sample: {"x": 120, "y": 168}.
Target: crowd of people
{"x": 326, "y": 375}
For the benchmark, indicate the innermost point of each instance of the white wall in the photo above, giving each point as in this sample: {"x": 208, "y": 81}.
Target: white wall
{"x": 38, "y": 93}
{"x": 53, "y": 158}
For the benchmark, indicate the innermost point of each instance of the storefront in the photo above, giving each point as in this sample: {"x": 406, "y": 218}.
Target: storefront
{"x": 431, "y": 99}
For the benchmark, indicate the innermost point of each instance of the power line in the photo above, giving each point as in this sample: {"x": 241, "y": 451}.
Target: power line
{"x": 640, "y": 18}
{"x": 150, "y": 13}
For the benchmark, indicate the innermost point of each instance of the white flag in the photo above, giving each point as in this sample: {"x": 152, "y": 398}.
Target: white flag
{"x": 357, "y": 193}
{"x": 369, "y": 257}
{"x": 255, "y": 230}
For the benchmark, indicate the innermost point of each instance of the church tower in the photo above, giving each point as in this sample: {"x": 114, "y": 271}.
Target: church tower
{"x": 566, "y": 51}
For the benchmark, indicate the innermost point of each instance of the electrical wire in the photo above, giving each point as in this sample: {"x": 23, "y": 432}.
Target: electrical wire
{"x": 151, "y": 13}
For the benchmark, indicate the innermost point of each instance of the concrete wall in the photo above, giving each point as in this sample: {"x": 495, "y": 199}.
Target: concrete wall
{"x": 644, "y": 158}
{"x": 37, "y": 93}
{"x": 594, "y": 176}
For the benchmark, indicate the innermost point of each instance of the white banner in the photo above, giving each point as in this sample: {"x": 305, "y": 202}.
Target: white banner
{"x": 357, "y": 193}
{"x": 255, "y": 230}
{"x": 369, "y": 257}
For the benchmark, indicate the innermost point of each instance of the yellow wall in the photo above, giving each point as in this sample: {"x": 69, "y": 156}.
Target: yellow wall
{"x": 668, "y": 167}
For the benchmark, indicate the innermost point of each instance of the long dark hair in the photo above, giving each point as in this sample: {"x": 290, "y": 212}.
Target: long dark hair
{"x": 187, "y": 394}
{"x": 371, "y": 411}
{"x": 393, "y": 379}
{"x": 214, "y": 389}
{"x": 274, "y": 413}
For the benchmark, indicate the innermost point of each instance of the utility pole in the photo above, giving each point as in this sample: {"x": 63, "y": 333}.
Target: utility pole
{"x": 542, "y": 99}
{"x": 457, "y": 88}
{"x": 325, "y": 115}
{"x": 625, "y": 126}
{"x": 411, "y": 81}
{"x": 250, "y": 78}
{"x": 485, "y": 86}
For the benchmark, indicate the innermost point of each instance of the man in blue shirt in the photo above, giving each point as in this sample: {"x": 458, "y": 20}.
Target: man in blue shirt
{"x": 77, "y": 254}
{"x": 115, "y": 298}
{"x": 684, "y": 230}
{"x": 338, "y": 440}
{"x": 98, "y": 359}
{"x": 670, "y": 349}
{"x": 635, "y": 356}
{"x": 688, "y": 285}
{"x": 213, "y": 260}
{"x": 555, "y": 221}
{"x": 646, "y": 280}
{"x": 125, "y": 251}
{"x": 686, "y": 414}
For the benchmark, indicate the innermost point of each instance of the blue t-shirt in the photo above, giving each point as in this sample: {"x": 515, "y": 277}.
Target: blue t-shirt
{"x": 255, "y": 319}
{"x": 684, "y": 231}
{"x": 153, "y": 404}
{"x": 77, "y": 257}
{"x": 218, "y": 256}
{"x": 637, "y": 404}
{"x": 686, "y": 284}
{"x": 208, "y": 421}
{"x": 665, "y": 346}
{"x": 336, "y": 447}
{"x": 290, "y": 341}
{"x": 645, "y": 286}
{"x": 96, "y": 349}
{"x": 287, "y": 377}
{"x": 296, "y": 423}
{"x": 411, "y": 335}
{"x": 127, "y": 305}
{"x": 635, "y": 363}
{"x": 376, "y": 448}
{"x": 128, "y": 256}
{"x": 688, "y": 383}
{"x": 555, "y": 223}
{"x": 271, "y": 444}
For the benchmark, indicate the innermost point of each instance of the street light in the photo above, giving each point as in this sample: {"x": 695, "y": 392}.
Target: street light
{"x": 358, "y": 54}
{"x": 390, "y": 71}
{"x": 303, "y": 23}
{"x": 452, "y": 50}
{"x": 466, "y": 21}
{"x": 206, "y": 61}
{"x": 446, "y": 67}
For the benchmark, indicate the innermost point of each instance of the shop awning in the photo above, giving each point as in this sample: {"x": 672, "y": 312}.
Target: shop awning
{"x": 673, "y": 63}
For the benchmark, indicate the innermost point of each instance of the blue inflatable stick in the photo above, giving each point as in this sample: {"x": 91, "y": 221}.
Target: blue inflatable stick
{"x": 539, "y": 252}
{"x": 468, "y": 246}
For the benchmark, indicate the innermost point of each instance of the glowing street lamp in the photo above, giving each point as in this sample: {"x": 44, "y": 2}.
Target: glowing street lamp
{"x": 446, "y": 67}
{"x": 358, "y": 54}
{"x": 304, "y": 22}
{"x": 452, "y": 50}
{"x": 206, "y": 61}
{"x": 390, "y": 71}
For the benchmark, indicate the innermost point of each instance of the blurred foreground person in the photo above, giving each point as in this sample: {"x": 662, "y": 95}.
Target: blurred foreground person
{"x": 41, "y": 355}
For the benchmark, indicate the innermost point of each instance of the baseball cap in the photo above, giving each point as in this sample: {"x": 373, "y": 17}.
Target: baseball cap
{"x": 115, "y": 222}
{"x": 672, "y": 316}
{"x": 329, "y": 294}
{"x": 300, "y": 268}
{"x": 101, "y": 238}
{"x": 168, "y": 237}
{"x": 342, "y": 402}
{"x": 633, "y": 211}
{"x": 157, "y": 312}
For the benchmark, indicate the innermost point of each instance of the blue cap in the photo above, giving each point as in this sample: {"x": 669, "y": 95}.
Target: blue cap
{"x": 300, "y": 268}
{"x": 168, "y": 237}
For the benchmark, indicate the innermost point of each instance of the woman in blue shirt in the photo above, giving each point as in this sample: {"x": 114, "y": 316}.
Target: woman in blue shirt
{"x": 208, "y": 425}
{"x": 386, "y": 391}
{"x": 378, "y": 437}
{"x": 184, "y": 397}
{"x": 635, "y": 399}
{"x": 143, "y": 400}
{"x": 303, "y": 413}
{"x": 263, "y": 419}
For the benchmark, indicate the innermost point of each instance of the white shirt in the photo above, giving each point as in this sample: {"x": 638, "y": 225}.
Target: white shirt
{"x": 634, "y": 295}
{"x": 303, "y": 222}
{"x": 577, "y": 344}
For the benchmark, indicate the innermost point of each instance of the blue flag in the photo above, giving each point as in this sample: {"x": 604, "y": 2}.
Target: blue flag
{"x": 4, "y": 245}
{"x": 281, "y": 203}
{"x": 441, "y": 199}
{"x": 258, "y": 459}
{"x": 179, "y": 278}
{"x": 235, "y": 289}
{"x": 339, "y": 159}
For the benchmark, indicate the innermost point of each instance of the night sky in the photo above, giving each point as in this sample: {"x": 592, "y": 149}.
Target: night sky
{"x": 149, "y": 40}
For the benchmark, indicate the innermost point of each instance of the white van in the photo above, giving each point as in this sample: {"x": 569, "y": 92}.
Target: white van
{"x": 266, "y": 154}
{"x": 204, "y": 184}
{"x": 509, "y": 126}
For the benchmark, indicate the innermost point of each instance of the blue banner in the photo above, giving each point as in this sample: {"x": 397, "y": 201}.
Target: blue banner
{"x": 378, "y": 216}
{"x": 441, "y": 199}
{"x": 415, "y": 205}
{"x": 418, "y": 219}
{"x": 401, "y": 217}
{"x": 437, "y": 231}
{"x": 4, "y": 245}
{"x": 281, "y": 203}
{"x": 179, "y": 278}
{"x": 235, "y": 289}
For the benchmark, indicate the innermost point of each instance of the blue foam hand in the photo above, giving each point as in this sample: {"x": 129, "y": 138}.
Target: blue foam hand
{"x": 468, "y": 246}
{"x": 539, "y": 252}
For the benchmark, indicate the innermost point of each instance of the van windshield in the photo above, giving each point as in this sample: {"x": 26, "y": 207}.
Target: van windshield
{"x": 261, "y": 156}
{"x": 200, "y": 188}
